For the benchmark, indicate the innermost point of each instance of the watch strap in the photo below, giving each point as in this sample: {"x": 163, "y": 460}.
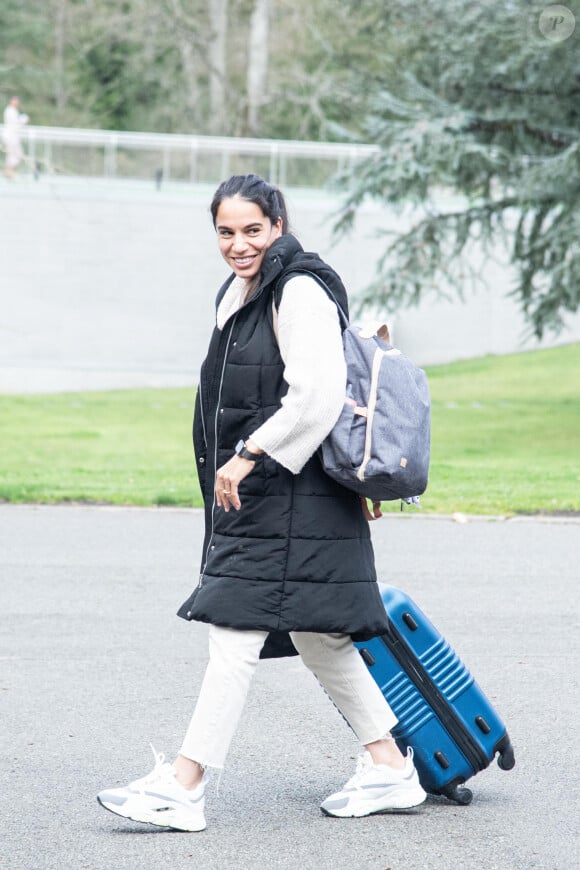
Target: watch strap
{"x": 243, "y": 451}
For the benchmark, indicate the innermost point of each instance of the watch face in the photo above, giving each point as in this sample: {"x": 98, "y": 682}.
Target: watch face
{"x": 239, "y": 446}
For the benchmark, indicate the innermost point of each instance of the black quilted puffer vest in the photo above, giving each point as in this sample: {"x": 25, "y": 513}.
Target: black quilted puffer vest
{"x": 298, "y": 555}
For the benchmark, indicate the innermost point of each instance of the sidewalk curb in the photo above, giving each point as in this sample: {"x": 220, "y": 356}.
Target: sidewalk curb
{"x": 459, "y": 518}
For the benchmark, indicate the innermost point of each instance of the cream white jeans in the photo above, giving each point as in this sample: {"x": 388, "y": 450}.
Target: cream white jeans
{"x": 233, "y": 657}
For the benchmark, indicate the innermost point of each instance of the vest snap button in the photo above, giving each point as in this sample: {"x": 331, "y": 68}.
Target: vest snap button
{"x": 201, "y": 460}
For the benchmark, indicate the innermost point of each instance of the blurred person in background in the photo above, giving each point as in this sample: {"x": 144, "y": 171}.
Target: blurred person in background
{"x": 13, "y": 123}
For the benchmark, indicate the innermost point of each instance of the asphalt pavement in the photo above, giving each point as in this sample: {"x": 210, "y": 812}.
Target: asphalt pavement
{"x": 94, "y": 666}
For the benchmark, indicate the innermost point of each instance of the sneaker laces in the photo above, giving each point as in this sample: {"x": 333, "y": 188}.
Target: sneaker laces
{"x": 363, "y": 763}
{"x": 161, "y": 771}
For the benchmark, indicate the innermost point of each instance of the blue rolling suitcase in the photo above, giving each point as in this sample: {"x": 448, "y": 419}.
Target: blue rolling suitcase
{"x": 442, "y": 712}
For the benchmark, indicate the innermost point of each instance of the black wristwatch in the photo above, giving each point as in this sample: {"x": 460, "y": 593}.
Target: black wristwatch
{"x": 243, "y": 451}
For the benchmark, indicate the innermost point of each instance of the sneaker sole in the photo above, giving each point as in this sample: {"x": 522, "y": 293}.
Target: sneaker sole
{"x": 171, "y": 819}
{"x": 404, "y": 801}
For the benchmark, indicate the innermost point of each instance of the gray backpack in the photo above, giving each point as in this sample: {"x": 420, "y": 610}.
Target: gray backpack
{"x": 380, "y": 445}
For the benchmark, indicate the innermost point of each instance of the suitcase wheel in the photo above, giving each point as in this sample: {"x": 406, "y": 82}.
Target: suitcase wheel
{"x": 459, "y": 794}
{"x": 506, "y": 760}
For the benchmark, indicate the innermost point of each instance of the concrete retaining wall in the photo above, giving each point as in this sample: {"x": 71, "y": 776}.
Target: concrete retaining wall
{"x": 112, "y": 284}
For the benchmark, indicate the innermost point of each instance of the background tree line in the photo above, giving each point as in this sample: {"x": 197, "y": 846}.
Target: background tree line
{"x": 231, "y": 67}
{"x": 480, "y": 100}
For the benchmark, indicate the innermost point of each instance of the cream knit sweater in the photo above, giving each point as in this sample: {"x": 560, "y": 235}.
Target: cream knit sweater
{"x": 314, "y": 368}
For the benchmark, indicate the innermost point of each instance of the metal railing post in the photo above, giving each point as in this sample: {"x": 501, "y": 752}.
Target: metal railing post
{"x": 32, "y": 151}
{"x": 273, "y": 163}
{"x": 166, "y": 164}
{"x": 110, "y": 156}
{"x": 193, "y": 162}
{"x": 282, "y": 163}
{"x": 225, "y": 164}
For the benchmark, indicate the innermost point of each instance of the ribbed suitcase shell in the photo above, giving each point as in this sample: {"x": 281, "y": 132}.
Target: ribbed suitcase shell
{"x": 442, "y": 712}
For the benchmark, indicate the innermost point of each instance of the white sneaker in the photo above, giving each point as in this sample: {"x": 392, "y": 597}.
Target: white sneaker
{"x": 375, "y": 788}
{"x": 158, "y": 799}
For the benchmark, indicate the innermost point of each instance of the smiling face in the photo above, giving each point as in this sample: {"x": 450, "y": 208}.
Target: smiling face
{"x": 244, "y": 235}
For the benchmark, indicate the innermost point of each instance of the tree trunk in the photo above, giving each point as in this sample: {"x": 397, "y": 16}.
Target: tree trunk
{"x": 218, "y": 16}
{"x": 257, "y": 62}
{"x": 60, "y": 17}
{"x": 186, "y": 50}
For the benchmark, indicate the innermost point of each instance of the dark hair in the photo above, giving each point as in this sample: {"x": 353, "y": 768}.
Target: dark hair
{"x": 254, "y": 189}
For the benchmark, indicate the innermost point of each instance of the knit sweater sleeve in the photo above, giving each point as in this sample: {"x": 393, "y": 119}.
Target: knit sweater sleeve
{"x": 310, "y": 342}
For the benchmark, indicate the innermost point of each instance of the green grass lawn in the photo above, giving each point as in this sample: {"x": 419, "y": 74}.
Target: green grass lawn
{"x": 505, "y": 439}
{"x": 506, "y": 434}
{"x": 122, "y": 447}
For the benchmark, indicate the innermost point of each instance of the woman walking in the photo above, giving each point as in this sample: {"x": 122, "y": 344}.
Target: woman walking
{"x": 287, "y": 564}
